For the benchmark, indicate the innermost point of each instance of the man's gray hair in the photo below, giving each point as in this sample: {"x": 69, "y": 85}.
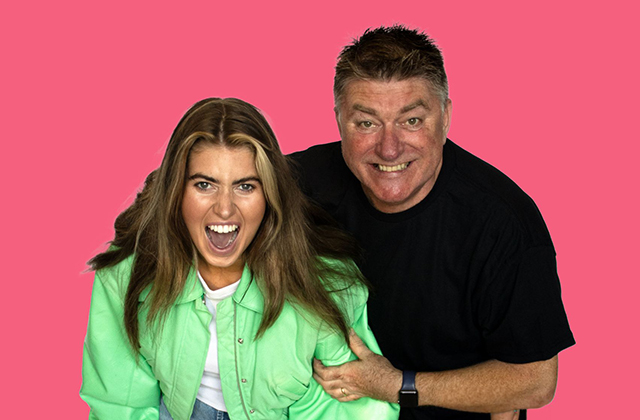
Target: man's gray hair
{"x": 389, "y": 53}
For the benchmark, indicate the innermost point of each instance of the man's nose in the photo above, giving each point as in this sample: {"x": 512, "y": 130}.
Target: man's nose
{"x": 224, "y": 205}
{"x": 389, "y": 146}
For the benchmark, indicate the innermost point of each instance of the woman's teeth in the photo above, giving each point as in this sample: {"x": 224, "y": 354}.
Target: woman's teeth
{"x": 223, "y": 228}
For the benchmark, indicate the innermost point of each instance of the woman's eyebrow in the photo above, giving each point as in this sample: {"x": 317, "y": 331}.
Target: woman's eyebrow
{"x": 247, "y": 179}
{"x": 203, "y": 176}
{"x": 215, "y": 181}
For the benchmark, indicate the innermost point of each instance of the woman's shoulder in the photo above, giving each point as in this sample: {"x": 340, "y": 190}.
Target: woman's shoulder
{"x": 116, "y": 277}
{"x": 345, "y": 284}
{"x": 338, "y": 274}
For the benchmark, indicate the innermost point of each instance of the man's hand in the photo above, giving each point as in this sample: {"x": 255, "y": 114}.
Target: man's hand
{"x": 370, "y": 376}
{"x": 488, "y": 387}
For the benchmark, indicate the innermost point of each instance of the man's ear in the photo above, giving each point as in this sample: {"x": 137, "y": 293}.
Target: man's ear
{"x": 337, "y": 114}
{"x": 447, "y": 117}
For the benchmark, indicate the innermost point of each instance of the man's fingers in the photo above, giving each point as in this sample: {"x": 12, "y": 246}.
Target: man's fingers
{"x": 357, "y": 346}
{"x": 343, "y": 394}
{"x": 320, "y": 374}
{"x": 318, "y": 368}
{"x": 333, "y": 382}
{"x": 332, "y": 387}
{"x": 350, "y": 397}
{"x": 325, "y": 375}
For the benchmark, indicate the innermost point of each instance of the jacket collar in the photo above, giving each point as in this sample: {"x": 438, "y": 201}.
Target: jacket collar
{"x": 192, "y": 289}
{"x": 248, "y": 293}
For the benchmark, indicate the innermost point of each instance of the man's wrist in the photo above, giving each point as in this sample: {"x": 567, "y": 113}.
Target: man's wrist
{"x": 408, "y": 394}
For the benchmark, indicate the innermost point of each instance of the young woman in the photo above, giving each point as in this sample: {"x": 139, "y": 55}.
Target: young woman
{"x": 218, "y": 291}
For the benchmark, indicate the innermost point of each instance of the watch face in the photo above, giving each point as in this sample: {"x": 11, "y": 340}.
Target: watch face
{"x": 408, "y": 398}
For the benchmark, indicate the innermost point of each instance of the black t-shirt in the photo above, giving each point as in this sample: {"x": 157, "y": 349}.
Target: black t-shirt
{"x": 466, "y": 275}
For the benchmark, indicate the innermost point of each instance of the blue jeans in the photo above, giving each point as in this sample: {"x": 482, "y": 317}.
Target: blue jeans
{"x": 201, "y": 411}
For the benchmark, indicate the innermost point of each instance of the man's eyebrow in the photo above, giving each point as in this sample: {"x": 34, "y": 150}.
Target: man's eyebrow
{"x": 366, "y": 110}
{"x": 417, "y": 104}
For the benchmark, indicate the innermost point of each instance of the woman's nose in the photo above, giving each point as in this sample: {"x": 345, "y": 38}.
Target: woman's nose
{"x": 224, "y": 205}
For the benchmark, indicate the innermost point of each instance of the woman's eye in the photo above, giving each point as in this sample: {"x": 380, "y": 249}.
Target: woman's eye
{"x": 246, "y": 187}
{"x": 202, "y": 185}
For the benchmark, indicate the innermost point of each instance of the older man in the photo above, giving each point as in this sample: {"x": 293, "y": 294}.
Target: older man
{"x": 465, "y": 298}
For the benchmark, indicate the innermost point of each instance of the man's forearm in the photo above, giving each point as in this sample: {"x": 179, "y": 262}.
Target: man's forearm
{"x": 488, "y": 387}
{"x": 491, "y": 386}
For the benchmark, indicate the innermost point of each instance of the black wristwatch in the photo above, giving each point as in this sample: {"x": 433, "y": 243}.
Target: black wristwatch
{"x": 408, "y": 395}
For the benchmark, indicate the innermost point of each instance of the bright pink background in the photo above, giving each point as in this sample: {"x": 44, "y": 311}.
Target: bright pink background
{"x": 90, "y": 92}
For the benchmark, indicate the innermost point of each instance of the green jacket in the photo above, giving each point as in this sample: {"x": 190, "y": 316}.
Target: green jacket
{"x": 270, "y": 378}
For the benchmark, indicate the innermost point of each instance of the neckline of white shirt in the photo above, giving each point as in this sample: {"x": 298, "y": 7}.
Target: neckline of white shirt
{"x": 221, "y": 293}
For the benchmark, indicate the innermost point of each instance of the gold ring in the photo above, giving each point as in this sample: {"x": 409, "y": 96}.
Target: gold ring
{"x": 343, "y": 392}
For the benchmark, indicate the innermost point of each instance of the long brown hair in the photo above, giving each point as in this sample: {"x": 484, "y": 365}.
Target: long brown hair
{"x": 283, "y": 254}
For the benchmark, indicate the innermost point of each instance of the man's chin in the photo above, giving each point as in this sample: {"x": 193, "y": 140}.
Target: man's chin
{"x": 389, "y": 202}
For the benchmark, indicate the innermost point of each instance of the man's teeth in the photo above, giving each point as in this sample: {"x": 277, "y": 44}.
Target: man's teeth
{"x": 223, "y": 228}
{"x": 400, "y": 167}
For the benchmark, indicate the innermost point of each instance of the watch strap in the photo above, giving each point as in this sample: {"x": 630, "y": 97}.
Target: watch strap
{"x": 408, "y": 395}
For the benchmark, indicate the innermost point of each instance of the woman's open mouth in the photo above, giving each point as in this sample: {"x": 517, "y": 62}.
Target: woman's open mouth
{"x": 222, "y": 236}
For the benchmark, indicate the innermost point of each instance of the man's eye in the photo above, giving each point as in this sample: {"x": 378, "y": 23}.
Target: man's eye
{"x": 366, "y": 124}
{"x": 413, "y": 121}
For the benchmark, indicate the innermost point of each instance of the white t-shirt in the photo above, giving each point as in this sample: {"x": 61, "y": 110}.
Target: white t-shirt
{"x": 210, "y": 391}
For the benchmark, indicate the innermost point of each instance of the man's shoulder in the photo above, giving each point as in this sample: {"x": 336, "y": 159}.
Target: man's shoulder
{"x": 321, "y": 172}
{"x": 319, "y": 158}
{"x": 482, "y": 174}
{"x": 493, "y": 190}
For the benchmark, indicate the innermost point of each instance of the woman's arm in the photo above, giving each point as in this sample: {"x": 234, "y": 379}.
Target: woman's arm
{"x": 316, "y": 404}
{"x": 114, "y": 384}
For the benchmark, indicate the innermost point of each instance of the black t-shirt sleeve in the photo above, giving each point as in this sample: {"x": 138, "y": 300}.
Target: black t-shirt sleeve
{"x": 521, "y": 312}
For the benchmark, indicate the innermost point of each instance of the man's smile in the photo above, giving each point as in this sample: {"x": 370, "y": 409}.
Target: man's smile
{"x": 395, "y": 168}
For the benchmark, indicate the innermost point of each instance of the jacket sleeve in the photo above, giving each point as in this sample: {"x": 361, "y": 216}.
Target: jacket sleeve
{"x": 115, "y": 384}
{"x": 332, "y": 350}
